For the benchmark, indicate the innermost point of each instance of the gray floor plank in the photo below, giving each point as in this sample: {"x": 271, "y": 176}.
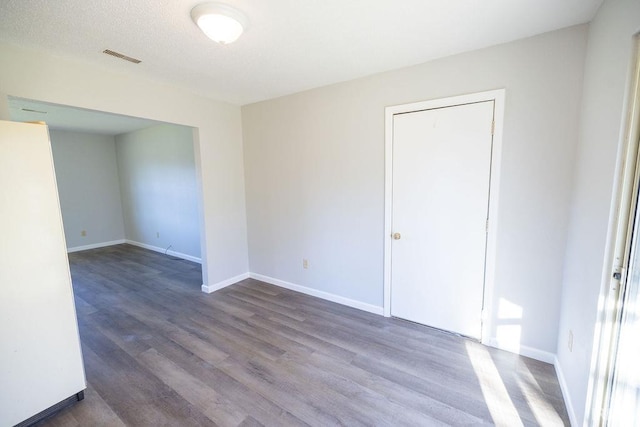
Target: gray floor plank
{"x": 158, "y": 351}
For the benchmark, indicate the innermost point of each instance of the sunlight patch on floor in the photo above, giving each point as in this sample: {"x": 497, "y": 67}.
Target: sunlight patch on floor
{"x": 544, "y": 411}
{"x": 495, "y": 393}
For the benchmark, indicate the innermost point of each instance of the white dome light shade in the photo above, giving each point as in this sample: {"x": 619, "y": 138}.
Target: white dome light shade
{"x": 219, "y": 22}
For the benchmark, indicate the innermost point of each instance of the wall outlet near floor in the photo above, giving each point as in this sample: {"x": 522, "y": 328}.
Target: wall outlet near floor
{"x": 305, "y": 263}
{"x": 570, "y": 342}
{"x": 157, "y": 234}
{"x": 83, "y": 233}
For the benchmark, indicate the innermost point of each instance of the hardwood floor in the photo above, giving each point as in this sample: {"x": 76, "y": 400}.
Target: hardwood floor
{"x": 158, "y": 351}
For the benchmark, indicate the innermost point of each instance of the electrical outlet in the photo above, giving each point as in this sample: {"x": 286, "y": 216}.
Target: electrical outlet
{"x": 570, "y": 342}
{"x": 305, "y": 263}
{"x": 83, "y": 233}
{"x": 157, "y": 234}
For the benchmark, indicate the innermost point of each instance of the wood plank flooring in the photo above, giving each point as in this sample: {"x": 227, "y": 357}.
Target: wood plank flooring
{"x": 158, "y": 351}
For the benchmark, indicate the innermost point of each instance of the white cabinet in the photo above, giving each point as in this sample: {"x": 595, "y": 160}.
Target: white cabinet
{"x": 40, "y": 355}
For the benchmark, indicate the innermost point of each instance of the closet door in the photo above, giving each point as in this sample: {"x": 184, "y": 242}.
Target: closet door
{"x": 441, "y": 177}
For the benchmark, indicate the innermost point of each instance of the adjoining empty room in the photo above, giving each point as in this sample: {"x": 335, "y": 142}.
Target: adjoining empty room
{"x": 122, "y": 179}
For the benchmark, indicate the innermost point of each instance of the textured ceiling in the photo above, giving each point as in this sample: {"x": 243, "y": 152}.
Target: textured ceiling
{"x": 289, "y": 45}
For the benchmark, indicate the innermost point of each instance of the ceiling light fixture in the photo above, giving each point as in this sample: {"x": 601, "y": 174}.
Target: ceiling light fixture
{"x": 219, "y": 22}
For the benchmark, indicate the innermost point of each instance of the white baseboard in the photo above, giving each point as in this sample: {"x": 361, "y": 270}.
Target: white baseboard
{"x": 217, "y": 286}
{"x": 319, "y": 294}
{"x": 95, "y": 246}
{"x": 565, "y": 393}
{"x": 535, "y": 353}
{"x": 164, "y": 251}
{"x": 523, "y": 350}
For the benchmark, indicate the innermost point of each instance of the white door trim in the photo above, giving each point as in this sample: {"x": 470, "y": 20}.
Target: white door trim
{"x": 498, "y": 96}
{"x": 617, "y": 251}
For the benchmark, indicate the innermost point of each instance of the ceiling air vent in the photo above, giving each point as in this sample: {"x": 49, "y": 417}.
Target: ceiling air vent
{"x": 121, "y": 56}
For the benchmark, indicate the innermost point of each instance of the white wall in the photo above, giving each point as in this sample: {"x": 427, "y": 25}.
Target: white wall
{"x": 38, "y": 75}
{"x": 605, "y": 84}
{"x": 314, "y": 166}
{"x": 159, "y": 188}
{"x": 87, "y": 176}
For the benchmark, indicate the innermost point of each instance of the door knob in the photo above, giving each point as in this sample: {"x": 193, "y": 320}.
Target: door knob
{"x": 396, "y": 236}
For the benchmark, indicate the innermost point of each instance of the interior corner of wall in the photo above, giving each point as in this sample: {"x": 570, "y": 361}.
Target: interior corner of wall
{"x": 4, "y": 107}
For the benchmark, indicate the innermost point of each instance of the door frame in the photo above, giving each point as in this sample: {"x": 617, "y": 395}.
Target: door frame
{"x": 498, "y": 97}
{"x": 617, "y": 253}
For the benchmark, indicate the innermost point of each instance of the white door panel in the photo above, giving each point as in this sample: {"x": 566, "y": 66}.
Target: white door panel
{"x": 441, "y": 174}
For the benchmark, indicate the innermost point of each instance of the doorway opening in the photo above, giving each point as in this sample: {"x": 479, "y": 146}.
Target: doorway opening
{"x": 123, "y": 179}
